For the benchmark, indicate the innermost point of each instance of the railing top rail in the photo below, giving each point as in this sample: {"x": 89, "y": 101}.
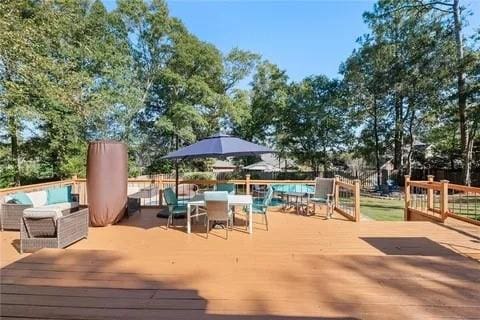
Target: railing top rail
{"x": 34, "y": 186}
{"x": 426, "y": 185}
{"x": 459, "y": 187}
{"x": 345, "y": 185}
{"x": 195, "y": 181}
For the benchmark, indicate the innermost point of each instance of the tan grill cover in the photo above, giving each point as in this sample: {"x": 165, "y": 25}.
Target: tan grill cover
{"x": 107, "y": 174}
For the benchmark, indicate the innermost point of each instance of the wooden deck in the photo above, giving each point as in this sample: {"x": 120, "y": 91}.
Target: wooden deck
{"x": 302, "y": 268}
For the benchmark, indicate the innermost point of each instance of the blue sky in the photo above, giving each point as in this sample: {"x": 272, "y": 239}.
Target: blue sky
{"x": 302, "y": 37}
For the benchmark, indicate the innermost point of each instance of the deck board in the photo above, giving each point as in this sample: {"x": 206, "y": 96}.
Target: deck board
{"x": 302, "y": 268}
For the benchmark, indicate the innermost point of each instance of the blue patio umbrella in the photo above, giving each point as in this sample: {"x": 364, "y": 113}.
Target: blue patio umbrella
{"x": 216, "y": 146}
{"x": 219, "y": 145}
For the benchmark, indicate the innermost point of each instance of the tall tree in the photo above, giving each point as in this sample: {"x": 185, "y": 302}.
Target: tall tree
{"x": 365, "y": 79}
{"x": 314, "y": 123}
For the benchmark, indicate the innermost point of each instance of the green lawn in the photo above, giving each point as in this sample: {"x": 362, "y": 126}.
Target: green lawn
{"x": 382, "y": 209}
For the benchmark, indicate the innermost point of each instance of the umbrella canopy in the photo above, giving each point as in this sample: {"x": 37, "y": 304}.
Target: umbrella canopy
{"x": 219, "y": 145}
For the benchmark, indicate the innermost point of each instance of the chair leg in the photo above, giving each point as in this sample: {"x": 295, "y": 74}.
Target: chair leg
{"x": 226, "y": 229}
{"x": 266, "y": 220}
{"x": 208, "y": 226}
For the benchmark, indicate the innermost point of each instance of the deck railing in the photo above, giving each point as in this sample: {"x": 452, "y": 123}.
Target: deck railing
{"x": 436, "y": 201}
{"x": 347, "y": 194}
{"x": 36, "y": 187}
{"x": 347, "y": 199}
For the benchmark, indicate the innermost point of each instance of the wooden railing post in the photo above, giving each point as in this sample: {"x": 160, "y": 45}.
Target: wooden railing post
{"x": 407, "y": 197}
{"x": 430, "y": 194}
{"x": 357, "y": 200}
{"x": 160, "y": 190}
{"x": 337, "y": 193}
{"x": 247, "y": 184}
{"x": 444, "y": 199}
{"x": 74, "y": 183}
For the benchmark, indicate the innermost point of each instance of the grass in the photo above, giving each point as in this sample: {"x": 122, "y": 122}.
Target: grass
{"x": 382, "y": 209}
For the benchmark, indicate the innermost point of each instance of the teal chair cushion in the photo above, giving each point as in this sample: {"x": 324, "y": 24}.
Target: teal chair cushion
{"x": 170, "y": 196}
{"x": 20, "y": 198}
{"x": 178, "y": 209}
{"x": 59, "y": 195}
{"x": 322, "y": 200}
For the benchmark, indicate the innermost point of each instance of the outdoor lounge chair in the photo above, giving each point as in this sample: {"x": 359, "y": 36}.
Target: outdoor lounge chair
{"x": 324, "y": 194}
{"x": 175, "y": 209}
{"x": 47, "y": 228}
{"x": 216, "y": 203}
{"x": 228, "y": 187}
{"x": 11, "y": 212}
{"x": 260, "y": 205}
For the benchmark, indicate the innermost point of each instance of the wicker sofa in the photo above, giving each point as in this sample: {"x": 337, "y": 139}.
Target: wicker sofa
{"x": 11, "y": 213}
{"x": 50, "y": 232}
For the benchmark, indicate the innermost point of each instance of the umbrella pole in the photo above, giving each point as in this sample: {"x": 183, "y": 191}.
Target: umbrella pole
{"x": 176, "y": 167}
{"x": 176, "y": 178}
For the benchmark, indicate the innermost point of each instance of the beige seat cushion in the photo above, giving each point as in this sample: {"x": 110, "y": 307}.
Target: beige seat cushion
{"x": 63, "y": 206}
{"x": 43, "y": 212}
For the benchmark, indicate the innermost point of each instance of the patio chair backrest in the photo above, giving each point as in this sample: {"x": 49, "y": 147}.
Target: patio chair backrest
{"x": 170, "y": 197}
{"x": 324, "y": 187}
{"x": 229, "y": 187}
{"x": 268, "y": 197}
{"x": 217, "y": 205}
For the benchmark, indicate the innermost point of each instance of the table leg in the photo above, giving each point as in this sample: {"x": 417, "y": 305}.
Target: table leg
{"x": 188, "y": 218}
{"x": 250, "y": 219}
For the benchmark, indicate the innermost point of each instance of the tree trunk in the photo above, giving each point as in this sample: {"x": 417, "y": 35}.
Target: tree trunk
{"x": 377, "y": 142}
{"x": 398, "y": 136}
{"x": 410, "y": 119}
{"x": 462, "y": 95}
{"x": 13, "y": 131}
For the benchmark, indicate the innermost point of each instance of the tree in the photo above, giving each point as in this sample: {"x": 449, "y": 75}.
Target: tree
{"x": 314, "y": 125}
{"x": 365, "y": 74}
{"x": 461, "y": 65}
{"x": 268, "y": 97}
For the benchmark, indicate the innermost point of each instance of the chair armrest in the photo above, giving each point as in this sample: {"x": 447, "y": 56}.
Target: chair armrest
{"x": 72, "y": 227}
{"x": 9, "y": 207}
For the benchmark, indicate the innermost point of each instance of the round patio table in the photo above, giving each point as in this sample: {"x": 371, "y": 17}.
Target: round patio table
{"x": 298, "y": 200}
{"x": 293, "y": 195}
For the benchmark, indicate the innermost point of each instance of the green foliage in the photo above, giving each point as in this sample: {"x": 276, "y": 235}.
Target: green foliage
{"x": 198, "y": 176}
{"x": 314, "y": 125}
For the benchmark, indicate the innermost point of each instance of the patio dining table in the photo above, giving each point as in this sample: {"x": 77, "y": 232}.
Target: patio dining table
{"x": 233, "y": 200}
{"x": 299, "y": 200}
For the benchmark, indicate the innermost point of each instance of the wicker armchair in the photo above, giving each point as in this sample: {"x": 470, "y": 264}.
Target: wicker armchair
{"x": 11, "y": 213}
{"x": 48, "y": 233}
